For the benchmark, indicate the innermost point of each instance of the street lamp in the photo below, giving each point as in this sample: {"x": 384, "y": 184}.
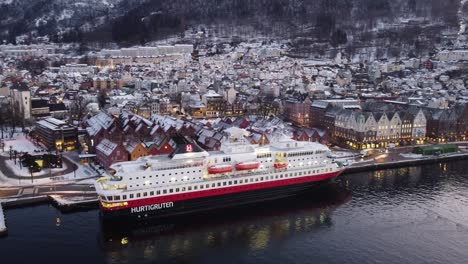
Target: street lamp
{"x": 31, "y": 171}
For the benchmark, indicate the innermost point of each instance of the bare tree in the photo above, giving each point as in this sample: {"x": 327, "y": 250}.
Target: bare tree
{"x": 78, "y": 108}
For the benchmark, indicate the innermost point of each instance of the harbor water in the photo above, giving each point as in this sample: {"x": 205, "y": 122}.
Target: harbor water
{"x": 405, "y": 215}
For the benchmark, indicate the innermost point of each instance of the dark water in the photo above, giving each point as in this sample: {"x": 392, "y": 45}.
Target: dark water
{"x": 410, "y": 215}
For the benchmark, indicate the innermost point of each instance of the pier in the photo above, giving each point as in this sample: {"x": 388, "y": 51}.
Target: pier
{"x": 3, "y": 228}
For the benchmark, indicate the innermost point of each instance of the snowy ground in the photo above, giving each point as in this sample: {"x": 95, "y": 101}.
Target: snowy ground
{"x": 24, "y": 171}
{"x": 2, "y": 220}
{"x": 22, "y": 144}
{"x": 19, "y": 143}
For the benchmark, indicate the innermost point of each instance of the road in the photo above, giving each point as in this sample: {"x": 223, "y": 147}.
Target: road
{"x": 70, "y": 167}
{"x": 74, "y": 189}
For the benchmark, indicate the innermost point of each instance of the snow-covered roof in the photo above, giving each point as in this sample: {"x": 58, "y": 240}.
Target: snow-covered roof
{"x": 106, "y": 147}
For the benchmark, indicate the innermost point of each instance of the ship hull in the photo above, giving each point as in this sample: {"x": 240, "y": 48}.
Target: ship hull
{"x": 147, "y": 209}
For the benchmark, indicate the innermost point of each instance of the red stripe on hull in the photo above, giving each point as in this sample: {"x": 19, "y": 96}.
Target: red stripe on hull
{"x": 222, "y": 191}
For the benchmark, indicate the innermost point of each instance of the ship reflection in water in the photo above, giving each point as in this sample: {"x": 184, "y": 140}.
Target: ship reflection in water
{"x": 252, "y": 228}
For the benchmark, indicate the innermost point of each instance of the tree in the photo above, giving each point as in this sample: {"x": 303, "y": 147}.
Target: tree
{"x": 101, "y": 97}
{"x": 338, "y": 37}
{"x": 78, "y": 108}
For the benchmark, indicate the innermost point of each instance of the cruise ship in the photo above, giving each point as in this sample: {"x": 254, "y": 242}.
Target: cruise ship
{"x": 192, "y": 180}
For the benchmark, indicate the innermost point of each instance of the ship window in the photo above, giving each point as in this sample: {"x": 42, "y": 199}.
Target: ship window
{"x": 201, "y": 187}
{"x": 235, "y": 182}
{"x": 219, "y": 184}
{"x": 124, "y": 197}
{"x": 195, "y": 187}
{"x": 171, "y": 190}
{"x": 224, "y": 183}
{"x": 208, "y": 186}
{"x": 158, "y": 192}
{"x": 163, "y": 174}
{"x": 131, "y": 196}
{"x": 144, "y": 177}
{"x": 256, "y": 179}
{"x": 177, "y": 190}
{"x": 241, "y": 181}
{"x": 164, "y": 191}
{"x": 183, "y": 189}
{"x": 281, "y": 176}
{"x": 131, "y": 179}
{"x": 261, "y": 178}
{"x": 138, "y": 195}
{"x": 145, "y": 194}
{"x": 109, "y": 198}
{"x": 151, "y": 193}
{"x": 137, "y": 178}
{"x": 190, "y": 188}
{"x": 230, "y": 182}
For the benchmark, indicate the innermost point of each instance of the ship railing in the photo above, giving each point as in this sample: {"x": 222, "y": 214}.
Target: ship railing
{"x": 173, "y": 167}
{"x": 114, "y": 187}
{"x": 261, "y": 172}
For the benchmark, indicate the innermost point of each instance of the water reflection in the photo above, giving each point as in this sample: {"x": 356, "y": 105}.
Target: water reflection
{"x": 251, "y": 229}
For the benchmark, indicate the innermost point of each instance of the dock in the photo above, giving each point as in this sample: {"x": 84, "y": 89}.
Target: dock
{"x": 373, "y": 166}
{"x": 74, "y": 203}
{"x": 3, "y": 228}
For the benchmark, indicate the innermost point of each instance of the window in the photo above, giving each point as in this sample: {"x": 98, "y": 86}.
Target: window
{"x": 201, "y": 187}
{"x": 109, "y": 198}
{"x": 224, "y": 183}
{"x": 138, "y": 195}
{"x": 190, "y": 188}
{"x": 164, "y": 191}
{"x": 131, "y": 196}
{"x": 230, "y": 182}
{"x": 145, "y": 194}
{"x": 171, "y": 190}
{"x": 158, "y": 192}
{"x": 177, "y": 190}
{"x": 124, "y": 197}
{"x": 152, "y": 193}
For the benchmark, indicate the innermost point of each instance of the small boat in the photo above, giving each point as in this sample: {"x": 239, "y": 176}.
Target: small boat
{"x": 248, "y": 165}
{"x": 222, "y": 168}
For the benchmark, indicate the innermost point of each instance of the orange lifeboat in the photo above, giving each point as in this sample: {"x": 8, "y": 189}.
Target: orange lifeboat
{"x": 222, "y": 168}
{"x": 249, "y": 165}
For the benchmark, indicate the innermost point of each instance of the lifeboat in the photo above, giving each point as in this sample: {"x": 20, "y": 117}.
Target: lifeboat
{"x": 249, "y": 165}
{"x": 222, "y": 168}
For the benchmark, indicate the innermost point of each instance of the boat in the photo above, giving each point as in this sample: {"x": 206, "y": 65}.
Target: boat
{"x": 248, "y": 165}
{"x": 219, "y": 169}
{"x": 191, "y": 180}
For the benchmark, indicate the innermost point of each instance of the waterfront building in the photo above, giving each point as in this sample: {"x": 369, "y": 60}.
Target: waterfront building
{"x": 56, "y": 134}
{"x": 108, "y": 152}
